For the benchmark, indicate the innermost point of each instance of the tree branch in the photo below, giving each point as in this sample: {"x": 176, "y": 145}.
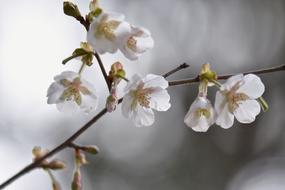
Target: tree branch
{"x": 68, "y": 142}
{"x": 103, "y": 70}
{"x": 223, "y": 77}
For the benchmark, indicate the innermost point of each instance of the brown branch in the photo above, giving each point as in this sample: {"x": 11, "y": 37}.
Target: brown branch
{"x": 223, "y": 77}
{"x": 180, "y": 67}
{"x": 103, "y": 69}
{"x": 65, "y": 144}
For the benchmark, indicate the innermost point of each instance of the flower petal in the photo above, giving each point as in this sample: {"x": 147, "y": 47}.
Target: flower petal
{"x": 225, "y": 118}
{"x": 247, "y": 111}
{"x": 252, "y": 86}
{"x": 152, "y": 80}
{"x": 89, "y": 103}
{"x": 127, "y": 106}
{"x": 143, "y": 116}
{"x": 232, "y": 81}
{"x": 69, "y": 107}
{"x": 159, "y": 99}
{"x": 54, "y": 93}
{"x": 69, "y": 75}
{"x": 133, "y": 83}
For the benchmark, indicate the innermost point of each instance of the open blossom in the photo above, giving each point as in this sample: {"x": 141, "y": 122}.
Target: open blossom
{"x": 201, "y": 115}
{"x": 106, "y": 31}
{"x": 70, "y": 92}
{"x": 138, "y": 41}
{"x": 142, "y": 96}
{"x": 237, "y": 98}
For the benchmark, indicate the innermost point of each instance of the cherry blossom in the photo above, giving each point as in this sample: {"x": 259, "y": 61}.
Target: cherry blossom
{"x": 142, "y": 96}
{"x": 70, "y": 92}
{"x": 201, "y": 115}
{"x": 138, "y": 41}
{"x": 107, "y": 31}
{"x": 237, "y": 98}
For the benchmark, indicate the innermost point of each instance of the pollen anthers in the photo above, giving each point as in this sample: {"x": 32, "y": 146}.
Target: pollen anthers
{"x": 73, "y": 89}
{"x": 234, "y": 98}
{"x": 107, "y": 28}
{"x": 203, "y": 112}
{"x": 141, "y": 96}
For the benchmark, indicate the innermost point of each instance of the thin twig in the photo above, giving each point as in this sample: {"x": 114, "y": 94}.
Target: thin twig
{"x": 67, "y": 143}
{"x": 224, "y": 77}
{"x": 103, "y": 69}
{"x": 180, "y": 67}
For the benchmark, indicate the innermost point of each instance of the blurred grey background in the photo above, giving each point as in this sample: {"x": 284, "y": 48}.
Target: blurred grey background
{"x": 233, "y": 35}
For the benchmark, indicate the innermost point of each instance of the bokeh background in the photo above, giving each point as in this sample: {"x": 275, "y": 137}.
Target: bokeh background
{"x": 233, "y": 35}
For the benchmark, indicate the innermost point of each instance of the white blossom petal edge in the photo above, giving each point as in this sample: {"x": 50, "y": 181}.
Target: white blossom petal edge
{"x": 137, "y": 42}
{"x": 106, "y": 31}
{"x": 70, "y": 93}
{"x": 237, "y": 98}
{"x": 142, "y": 95}
{"x": 201, "y": 115}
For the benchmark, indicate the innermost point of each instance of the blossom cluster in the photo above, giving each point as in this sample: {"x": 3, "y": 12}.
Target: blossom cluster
{"x": 239, "y": 97}
{"x": 108, "y": 32}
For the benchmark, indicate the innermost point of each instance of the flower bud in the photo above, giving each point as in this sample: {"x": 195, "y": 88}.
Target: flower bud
{"x": 80, "y": 158}
{"x": 111, "y": 103}
{"x": 91, "y": 149}
{"x": 55, "y": 165}
{"x": 71, "y": 9}
{"x": 207, "y": 74}
{"x": 76, "y": 182}
{"x": 38, "y": 152}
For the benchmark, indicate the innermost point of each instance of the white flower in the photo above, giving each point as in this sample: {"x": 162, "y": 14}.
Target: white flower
{"x": 201, "y": 115}
{"x": 138, "y": 41}
{"x": 143, "y": 95}
{"x": 106, "y": 31}
{"x": 70, "y": 92}
{"x": 237, "y": 98}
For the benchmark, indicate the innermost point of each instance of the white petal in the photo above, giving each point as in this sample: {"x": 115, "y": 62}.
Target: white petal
{"x": 54, "y": 93}
{"x": 114, "y": 16}
{"x": 152, "y": 80}
{"x": 220, "y": 102}
{"x": 69, "y": 75}
{"x": 232, "y": 81}
{"x": 143, "y": 44}
{"x": 128, "y": 53}
{"x": 202, "y": 125}
{"x": 252, "y": 86}
{"x": 89, "y": 103}
{"x": 89, "y": 86}
{"x": 67, "y": 107}
{"x": 159, "y": 99}
{"x": 143, "y": 116}
{"x": 133, "y": 83}
{"x": 225, "y": 118}
{"x": 126, "y": 106}
{"x": 247, "y": 111}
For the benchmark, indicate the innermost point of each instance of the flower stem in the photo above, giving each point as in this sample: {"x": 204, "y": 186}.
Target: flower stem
{"x": 72, "y": 57}
{"x": 81, "y": 68}
{"x": 263, "y": 104}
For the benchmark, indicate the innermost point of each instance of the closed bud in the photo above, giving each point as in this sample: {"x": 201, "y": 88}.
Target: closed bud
{"x": 76, "y": 182}
{"x": 80, "y": 158}
{"x": 38, "y": 152}
{"x": 71, "y": 9}
{"x": 92, "y": 149}
{"x": 55, "y": 165}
